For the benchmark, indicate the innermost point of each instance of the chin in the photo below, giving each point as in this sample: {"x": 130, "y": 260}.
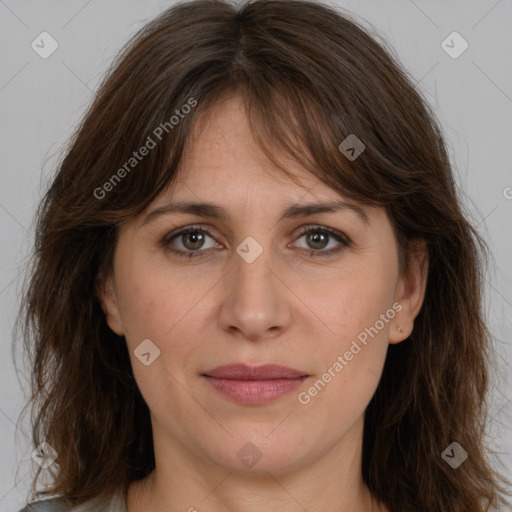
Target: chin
{"x": 260, "y": 453}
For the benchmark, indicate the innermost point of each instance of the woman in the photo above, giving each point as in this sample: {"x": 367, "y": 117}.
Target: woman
{"x": 193, "y": 347}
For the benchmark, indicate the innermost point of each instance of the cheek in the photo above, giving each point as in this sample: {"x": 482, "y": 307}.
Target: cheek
{"x": 156, "y": 309}
{"x": 146, "y": 292}
{"x": 143, "y": 304}
{"x": 341, "y": 391}
{"x": 358, "y": 315}
{"x": 165, "y": 309}
{"x": 354, "y": 303}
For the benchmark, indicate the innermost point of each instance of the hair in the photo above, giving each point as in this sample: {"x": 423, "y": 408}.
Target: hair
{"x": 309, "y": 77}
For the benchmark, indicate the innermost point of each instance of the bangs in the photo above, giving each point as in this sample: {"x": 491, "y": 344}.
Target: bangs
{"x": 286, "y": 121}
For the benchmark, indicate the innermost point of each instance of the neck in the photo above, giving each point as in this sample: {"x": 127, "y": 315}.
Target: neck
{"x": 186, "y": 482}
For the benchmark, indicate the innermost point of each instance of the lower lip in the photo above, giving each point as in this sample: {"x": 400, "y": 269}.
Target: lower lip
{"x": 255, "y": 392}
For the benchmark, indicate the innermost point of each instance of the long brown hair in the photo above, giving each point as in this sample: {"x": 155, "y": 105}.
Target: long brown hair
{"x": 310, "y": 76}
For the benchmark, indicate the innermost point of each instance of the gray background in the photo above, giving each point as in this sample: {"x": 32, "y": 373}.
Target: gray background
{"x": 41, "y": 101}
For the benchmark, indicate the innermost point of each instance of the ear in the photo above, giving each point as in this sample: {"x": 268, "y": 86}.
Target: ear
{"x": 410, "y": 292}
{"x": 106, "y": 292}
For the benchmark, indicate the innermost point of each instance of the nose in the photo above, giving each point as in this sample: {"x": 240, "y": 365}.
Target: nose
{"x": 256, "y": 302}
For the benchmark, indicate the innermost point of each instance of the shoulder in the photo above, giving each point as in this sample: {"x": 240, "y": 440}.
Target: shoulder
{"x": 115, "y": 503}
{"x": 49, "y": 505}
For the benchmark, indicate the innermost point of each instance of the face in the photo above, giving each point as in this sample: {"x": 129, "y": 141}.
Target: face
{"x": 319, "y": 293}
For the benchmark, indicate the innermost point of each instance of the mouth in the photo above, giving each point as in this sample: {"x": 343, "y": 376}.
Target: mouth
{"x": 254, "y": 385}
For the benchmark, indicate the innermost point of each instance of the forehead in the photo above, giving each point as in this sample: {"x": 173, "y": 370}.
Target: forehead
{"x": 221, "y": 154}
{"x": 224, "y": 174}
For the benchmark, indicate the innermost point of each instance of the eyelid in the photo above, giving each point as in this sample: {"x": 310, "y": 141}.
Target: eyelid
{"x": 341, "y": 237}
{"x": 327, "y": 229}
{"x": 188, "y": 228}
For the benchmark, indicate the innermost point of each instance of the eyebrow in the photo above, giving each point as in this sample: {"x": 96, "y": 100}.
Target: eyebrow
{"x": 209, "y": 210}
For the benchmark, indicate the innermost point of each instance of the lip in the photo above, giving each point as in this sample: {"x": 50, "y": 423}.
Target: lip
{"x": 262, "y": 372}
{"x": 254, "y": 385}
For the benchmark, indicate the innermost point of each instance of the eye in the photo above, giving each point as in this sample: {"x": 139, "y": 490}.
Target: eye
{"x": 192, "y": 239}
{"x": 318, "y": 235}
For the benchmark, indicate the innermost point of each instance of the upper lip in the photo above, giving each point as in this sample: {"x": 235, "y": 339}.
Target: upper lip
{"x": 262, "y": 372}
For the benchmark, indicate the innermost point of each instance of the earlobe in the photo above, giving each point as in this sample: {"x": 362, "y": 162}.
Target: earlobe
{"x": 105, "y": 290}
{"x": 410, "y": 292}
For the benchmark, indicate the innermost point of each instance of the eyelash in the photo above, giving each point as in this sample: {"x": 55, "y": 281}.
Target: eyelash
{"x": 344, "y": 241}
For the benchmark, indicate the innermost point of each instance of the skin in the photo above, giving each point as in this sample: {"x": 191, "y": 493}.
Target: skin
{"x": 286, "y": 307}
